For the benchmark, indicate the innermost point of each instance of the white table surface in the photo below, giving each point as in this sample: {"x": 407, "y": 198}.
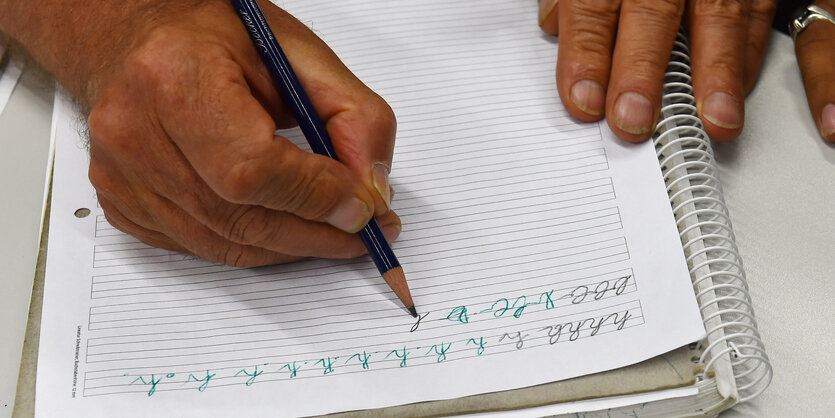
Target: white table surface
{"x": 779, "y": 180}
{"x": 24, "y": 144}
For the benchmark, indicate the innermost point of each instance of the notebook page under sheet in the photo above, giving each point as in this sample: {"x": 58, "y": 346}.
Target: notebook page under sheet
{"x": 536, "y": 248}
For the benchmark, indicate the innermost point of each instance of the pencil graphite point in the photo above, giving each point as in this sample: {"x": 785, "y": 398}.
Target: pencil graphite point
{"x": 396, "y": 279}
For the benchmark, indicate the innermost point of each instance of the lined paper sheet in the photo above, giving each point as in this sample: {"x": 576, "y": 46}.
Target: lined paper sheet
{"x": 536, "y": 248}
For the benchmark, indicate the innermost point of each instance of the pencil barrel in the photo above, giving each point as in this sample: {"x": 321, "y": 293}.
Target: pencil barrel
{"x": 374, "y": 239}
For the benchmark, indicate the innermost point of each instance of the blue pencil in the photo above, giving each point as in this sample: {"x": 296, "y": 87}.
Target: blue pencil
{"x": 317, "y": 136}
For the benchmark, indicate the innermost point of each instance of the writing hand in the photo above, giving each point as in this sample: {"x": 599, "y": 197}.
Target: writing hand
{"x": 183, "y": 152}
{"x": 613, "y": 54}
{"x": 815, "y": 48}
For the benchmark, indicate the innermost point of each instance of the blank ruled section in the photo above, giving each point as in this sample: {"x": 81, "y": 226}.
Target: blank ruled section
{"x": 528, "y": 239}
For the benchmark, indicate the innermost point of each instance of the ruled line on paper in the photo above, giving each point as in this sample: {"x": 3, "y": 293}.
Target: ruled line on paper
{"x": 360, "y": 37}
{"x": 225, "y": 283}
{"x": 446, "y": 150}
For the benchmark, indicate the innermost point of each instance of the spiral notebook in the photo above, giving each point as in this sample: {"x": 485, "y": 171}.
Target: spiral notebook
{"x": 544, "y": 256}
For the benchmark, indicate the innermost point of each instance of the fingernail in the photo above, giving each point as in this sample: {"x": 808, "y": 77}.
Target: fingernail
{"x": 828, "y": 122}
{"x": 633, "y": 113}
{"x": 350, "y": 216}
{"x": 722, "y": 110}
{"x": 588, "y": 95}
{"x": 391, "y": 232}
{"x": 545, "y": 9}
{"x": 381, "y": 182}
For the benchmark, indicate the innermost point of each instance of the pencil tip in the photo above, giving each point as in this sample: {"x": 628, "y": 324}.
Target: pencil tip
{"x": 396, "y": 279}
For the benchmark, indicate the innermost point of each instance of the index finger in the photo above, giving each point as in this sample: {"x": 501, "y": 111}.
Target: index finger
{"x": 719, "y": 32}
{"x": 361, "y": 124}
{"x": 647, "y": 30}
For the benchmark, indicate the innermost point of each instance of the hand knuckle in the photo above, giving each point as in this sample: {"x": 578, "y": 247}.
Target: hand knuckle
{"x": 645, "y": 66}
{"x": 115, "y": 220}
{"x": 155, "y": 60}
{"x": 241, "y": 183}
{"x": 383, "y": 117}
{"x": 593, "y": 9}
{"x": 724, "y": 67}
{"x": 100, "y": 178}
{"x": 106, "y": 125}
{"x": 121, "y": 222}
{"x": 722, "y": 9}
{"x": 591, "y": 31}
{"x": 666, "y": 9}
{"x": 594, "y": 41}
{"x": 763, "y": 7}
{"x": 252, "y": 225}
{"x": 312, "y": 194}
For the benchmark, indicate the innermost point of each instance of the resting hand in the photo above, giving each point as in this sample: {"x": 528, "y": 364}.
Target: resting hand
{"x": 815, "y": 48}
{"x": 183, "y": 152}
{"x": 613, "y": 55}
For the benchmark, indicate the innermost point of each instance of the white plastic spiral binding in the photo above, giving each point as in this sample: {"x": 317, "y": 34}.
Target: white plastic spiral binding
{"x": 686, "y": 160}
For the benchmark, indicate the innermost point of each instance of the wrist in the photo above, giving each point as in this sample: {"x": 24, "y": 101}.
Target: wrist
{"x": 83, "y": 44}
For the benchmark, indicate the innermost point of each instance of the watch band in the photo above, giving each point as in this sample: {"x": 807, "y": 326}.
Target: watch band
{"x": 808, "y": 15}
